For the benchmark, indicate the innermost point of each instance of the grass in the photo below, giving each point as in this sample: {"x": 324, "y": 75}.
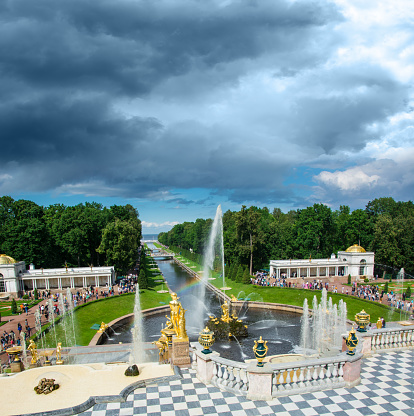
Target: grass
{"x": 5, "y": 306}
{"x": 106, "y": 310}
{"x": 296, "y": 297}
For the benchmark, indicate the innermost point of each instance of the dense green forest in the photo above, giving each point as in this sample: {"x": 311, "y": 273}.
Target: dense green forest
{"x": 253, "y": 236}
{"x": 79, "y": 235}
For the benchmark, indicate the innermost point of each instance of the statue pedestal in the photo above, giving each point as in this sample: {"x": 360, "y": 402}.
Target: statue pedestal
{"x": 260, "y": 382}
{"x": 180, "y": 353}
{"x": 16, "y": 366}
{"x": 205, "y": 367}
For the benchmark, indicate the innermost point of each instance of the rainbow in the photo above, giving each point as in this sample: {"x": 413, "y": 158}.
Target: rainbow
{"x": 188, "y": 286}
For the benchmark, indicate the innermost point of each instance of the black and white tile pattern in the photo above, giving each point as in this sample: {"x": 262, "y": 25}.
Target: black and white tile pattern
{"x": 386, "y": 388}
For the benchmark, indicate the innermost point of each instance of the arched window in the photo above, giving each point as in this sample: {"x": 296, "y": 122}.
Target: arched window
{"x": 2, "y": 285}
{"x": 362, "y": 265}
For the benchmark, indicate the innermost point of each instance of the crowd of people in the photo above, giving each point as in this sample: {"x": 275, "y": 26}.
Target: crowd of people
{"x": 368, "y": 292}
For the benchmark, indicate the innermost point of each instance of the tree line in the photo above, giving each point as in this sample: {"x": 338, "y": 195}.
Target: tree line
{"x": 253, "y": 236}
{"x": 81, "y": 235}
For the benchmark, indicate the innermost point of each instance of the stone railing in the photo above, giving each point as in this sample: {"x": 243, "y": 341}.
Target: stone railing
{"x": 275, "y": 380}
{"x": 316, "y": 375}
{"x": 378, "y": 340}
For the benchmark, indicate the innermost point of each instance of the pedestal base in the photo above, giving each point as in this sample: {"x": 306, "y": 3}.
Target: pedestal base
{"x": 16, "y": 366}
{"x": 180, "y": 353}
{"x": 260, "y": 382}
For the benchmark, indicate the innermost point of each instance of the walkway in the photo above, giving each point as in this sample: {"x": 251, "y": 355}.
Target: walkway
{"x": 386, "y": 388}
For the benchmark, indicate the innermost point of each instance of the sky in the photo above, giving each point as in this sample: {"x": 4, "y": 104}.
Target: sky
{"x": 176, "y": 106}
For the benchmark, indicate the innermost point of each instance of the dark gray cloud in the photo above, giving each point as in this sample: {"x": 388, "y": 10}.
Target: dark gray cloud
{"x": 139, "y": 98}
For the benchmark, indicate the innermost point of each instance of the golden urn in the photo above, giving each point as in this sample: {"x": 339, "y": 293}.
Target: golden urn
{"x": 362, "y": 319}
{"x": 260, "y": 350}
{"x": 351, "y": 342}
{"x": 206, "y": 340}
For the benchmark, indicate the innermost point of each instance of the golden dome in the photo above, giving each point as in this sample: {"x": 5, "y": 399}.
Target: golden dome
{"x": 6, "y": 259}
{"x": 355, "y": 249}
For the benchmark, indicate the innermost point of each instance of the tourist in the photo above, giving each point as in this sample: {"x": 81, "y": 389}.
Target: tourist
{"x": 383, "y": 322}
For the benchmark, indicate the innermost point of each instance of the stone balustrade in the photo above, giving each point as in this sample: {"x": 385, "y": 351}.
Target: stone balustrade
{"x": 282, "y": 379}
{"x": 377, "y": 340}
{"x": 275, "y": 380}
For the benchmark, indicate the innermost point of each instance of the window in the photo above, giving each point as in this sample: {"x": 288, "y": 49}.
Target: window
{"x": 362, "y": 265}
{"x": 2, "y": 284}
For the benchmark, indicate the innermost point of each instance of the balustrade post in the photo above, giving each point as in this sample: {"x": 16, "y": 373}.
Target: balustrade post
{"x": 351, "y": 371}
{"x": 260, "y": 382}
{"x": 366, "y": 343}
{"x": 205, "y": 367}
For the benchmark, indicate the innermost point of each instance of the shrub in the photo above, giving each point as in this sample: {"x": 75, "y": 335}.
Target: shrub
{"x": 246, "y": 277}
{"x": 408, "y": 293}
{"x": 13, "y": 307}
{"x": 349, "y": 279}
{"x": 36, "y": 294}
{"x": 366, "y": 280}
{"x": 25, "y": 296}
{"x": 142, "y": 280}
{"x": 386, "y": 287}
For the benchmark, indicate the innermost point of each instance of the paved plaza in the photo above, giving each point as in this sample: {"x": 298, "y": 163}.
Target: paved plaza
{"x": 386, "y": 388}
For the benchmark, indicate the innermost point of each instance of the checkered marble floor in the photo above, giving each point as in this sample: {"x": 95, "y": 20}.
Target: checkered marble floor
{"x": 386, "y": 388}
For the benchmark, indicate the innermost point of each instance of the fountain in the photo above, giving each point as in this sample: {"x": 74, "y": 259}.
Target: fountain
{"x": 400, "y": 280}
{"x": 215, "y": 248}
{"x": 305, "y": 329}
{"x": 137, "y": 354}
{"x": 52, "y": 317}
{"x": 328, "y": 325}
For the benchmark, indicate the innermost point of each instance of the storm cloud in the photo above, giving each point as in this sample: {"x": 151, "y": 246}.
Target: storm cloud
{"x": 135, "y": 98}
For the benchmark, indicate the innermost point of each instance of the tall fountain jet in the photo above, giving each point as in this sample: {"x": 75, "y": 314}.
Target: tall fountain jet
{"x": 214, "y": 250}
{"x": 215, "y": 247}
{"x": 137, "y": 354}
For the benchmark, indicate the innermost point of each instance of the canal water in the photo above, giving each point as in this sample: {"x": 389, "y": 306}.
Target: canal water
{"x": 280, "y": 329}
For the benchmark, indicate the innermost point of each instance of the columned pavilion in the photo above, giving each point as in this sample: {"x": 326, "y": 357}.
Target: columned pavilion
{"x": 354, "y": 261}
{"x": 14, "y": 277}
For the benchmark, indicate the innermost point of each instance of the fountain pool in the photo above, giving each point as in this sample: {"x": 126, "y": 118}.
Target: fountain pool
{"x": 281, "y": 330}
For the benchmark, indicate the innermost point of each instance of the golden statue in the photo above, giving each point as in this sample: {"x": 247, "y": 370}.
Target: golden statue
{"x": 175, "y": 307}
{"x": 59, "y": 360}
{"x": 182, "y": 333}
{"x": 379, "y": 323}
{"x": 233, "y": 298}
{"x": 33, "y": 351}
{"x": 103, "y": 327}
{"x": 225, "y": 317}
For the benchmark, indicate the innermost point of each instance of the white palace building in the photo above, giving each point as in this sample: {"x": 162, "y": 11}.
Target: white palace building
{"x": 14, "y": 278}
{"x": 354, "y": 261}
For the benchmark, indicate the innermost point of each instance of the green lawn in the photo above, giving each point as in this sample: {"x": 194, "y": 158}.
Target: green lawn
{"x": 106, "y": 310}
{"x": 5, "y": 306}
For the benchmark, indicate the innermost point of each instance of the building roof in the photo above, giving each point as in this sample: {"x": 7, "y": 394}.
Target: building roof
{"x": 4, "y": 259}
{"x": 355, "y": 249}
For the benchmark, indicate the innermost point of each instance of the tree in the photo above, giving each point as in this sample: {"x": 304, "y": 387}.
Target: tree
{"x": 386, "y": 287}
{"x": 120, "y": 244}
{"x": 142, "y": 280}
{"x": 349, "y": 279}
{"x": 408, "y": 292}
{"x": 13, "y": 307}
{"x": 36, "y": 294}
{"x": 239, "y": 275}
{"x": 246, "y": 277}
{"x": 315, "y": 232}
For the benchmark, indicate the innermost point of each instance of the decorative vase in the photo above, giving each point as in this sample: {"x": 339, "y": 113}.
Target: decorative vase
{"x": 206, "y": 340}
{"x": 351, "y": 342}
{"x": 260, "y": 350}
{"x": 362, "y": 319}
